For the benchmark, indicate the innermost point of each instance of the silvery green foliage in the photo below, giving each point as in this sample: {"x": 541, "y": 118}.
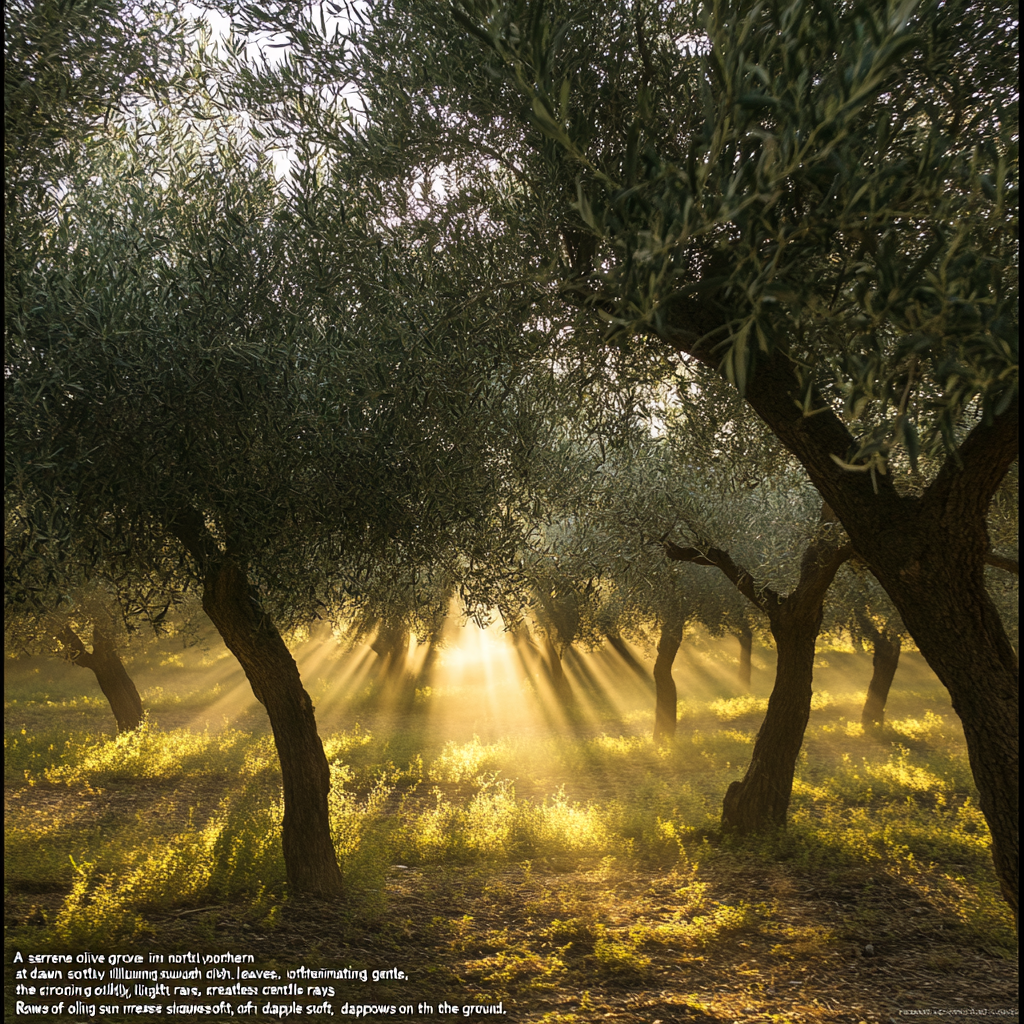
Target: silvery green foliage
{"x": 712, "y": 478}
{"x": 842, "y": 178}
{"x": 131, "y": 619}
{"x": 189, "y": 332}
{"x": 68, "y": 67}
{"x": 715, "y": 478}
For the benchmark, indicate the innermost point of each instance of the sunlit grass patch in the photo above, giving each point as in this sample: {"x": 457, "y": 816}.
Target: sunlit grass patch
{"x": 498, "y": 825}
{"x": 28, "y": 754}
{"x": 940, "y": 853}
{"x": 194, "y": 693}
{"x": 464, "y": 762}
{"x": 621, "y": 954}
{"x": 937, "y": 777}
{"x": 727, "y": 709}
{"x": 592, "y": 810}
{"x": 573, "y": 827}
{"x": 83, "y": 758}
{"x": 579, "y": 931}
{"x": 524, "y": 968}
{"x": 107, "y": 907}
{"x": 698, "y": 931}
{"x": 236, "y": 852}
{"x": 928, "y": 727}
{"x": 342, "y": 744}
{"x": 153, "y": 753}
{"x": 799, "y": 941}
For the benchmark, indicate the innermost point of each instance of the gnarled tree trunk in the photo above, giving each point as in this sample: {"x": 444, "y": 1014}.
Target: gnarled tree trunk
{"x": 944, "y": 604}
{"x": 762, "y": 798}
{"x": 235, "y": 609}
{"x": 664, "y": 685}
{"x": 927, "y": 550}
{"x": 104, "y": 661}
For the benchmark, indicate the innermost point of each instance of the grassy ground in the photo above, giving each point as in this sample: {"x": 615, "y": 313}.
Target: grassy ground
{"x": 495, "y": 855}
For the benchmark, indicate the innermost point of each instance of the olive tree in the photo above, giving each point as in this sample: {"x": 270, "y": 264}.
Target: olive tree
{"x": 191, "y": 395}
{"x": 91, "y": 617}
{"x": 775, "y": 543}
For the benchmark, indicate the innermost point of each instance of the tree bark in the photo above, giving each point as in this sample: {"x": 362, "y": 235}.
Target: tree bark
{"x": 761, "y": 799}
{"x": 746, "y": 638}
{"x": 928, "y": 551}
{"x": 104, "y": 661}
{"x": 666, "y": 698}
{"x": 884, "y": 662}
{"x": 947, "y": 610}
{"x": 235, "y": 609}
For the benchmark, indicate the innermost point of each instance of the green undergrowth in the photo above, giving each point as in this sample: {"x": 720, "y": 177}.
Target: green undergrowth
{"x": 121, "y": 828}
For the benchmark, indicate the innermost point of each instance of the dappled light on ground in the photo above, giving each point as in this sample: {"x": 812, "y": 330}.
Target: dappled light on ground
{"x": 541, "y": 851}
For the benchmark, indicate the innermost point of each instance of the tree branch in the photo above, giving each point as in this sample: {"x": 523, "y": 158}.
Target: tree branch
{"x": 1010, "y": 565}
{"x": 190, "y": 528}
{"x": 867, "y": 627}
{"x": 988, "y": 451}
{"x": 75, "y": 651}
{"x": 821, "y": 562}
{"x": 740, "y": 578}
{"x": 777, "y": 396}
{"x": 818, "y": 570}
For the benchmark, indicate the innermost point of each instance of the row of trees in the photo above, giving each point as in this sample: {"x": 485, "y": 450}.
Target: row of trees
{"x": 502, "y": 232}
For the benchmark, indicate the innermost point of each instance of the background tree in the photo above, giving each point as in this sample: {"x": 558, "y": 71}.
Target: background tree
{"x": 860, "y": 610}
{"x": 761, "y": 799}
{"x": 66, "y": 630}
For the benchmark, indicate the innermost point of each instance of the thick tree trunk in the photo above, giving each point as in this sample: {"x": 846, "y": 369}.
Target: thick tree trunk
{"x": 117, "y": 686}
{"x": 746, "y": 638}
{"x": 886, "y": 659}
{"x": 252, "y": 638}
{"x": 235, "y": 609}
{"x": 926, "y": 550}
{"x": 761, "y": 800}
{"x": 946, "y": 609}
{"x": 929, "y": 552}
{"x": 664, "y": 685}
